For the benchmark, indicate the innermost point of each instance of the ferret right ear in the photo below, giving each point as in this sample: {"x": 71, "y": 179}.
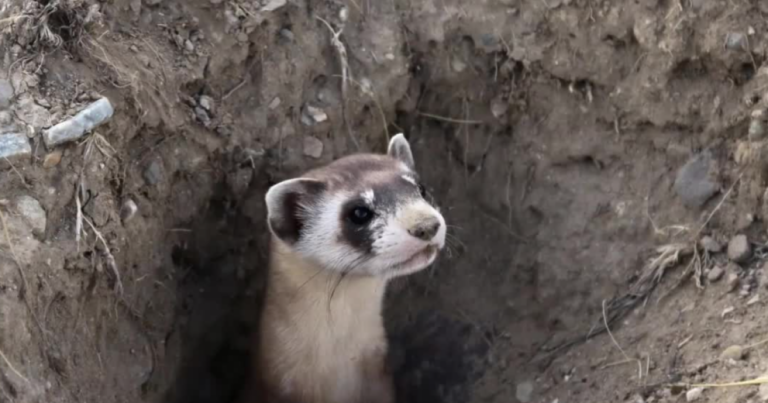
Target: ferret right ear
{"x": 287, "y": 204}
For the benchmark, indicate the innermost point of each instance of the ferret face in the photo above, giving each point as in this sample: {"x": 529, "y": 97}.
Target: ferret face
{"x": 362, "y": 214}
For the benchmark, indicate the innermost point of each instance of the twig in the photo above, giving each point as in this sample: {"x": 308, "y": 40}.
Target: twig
{"x": 449, "y": 120}
{"x": 111, "y": 263}
{"x": 23, "y": 181}
{"x": 717, "y": 208}
{"x": 13, "y": 253}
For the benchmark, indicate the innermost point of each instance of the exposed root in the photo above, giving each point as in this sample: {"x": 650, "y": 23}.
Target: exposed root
{"x": 345, "y": 74}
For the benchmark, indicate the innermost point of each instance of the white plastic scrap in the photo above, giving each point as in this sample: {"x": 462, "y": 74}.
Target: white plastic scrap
{"x": 86, "y": 120}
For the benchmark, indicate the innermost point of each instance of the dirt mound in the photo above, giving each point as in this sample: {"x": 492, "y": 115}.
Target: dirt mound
{"x": 592, "y": 158}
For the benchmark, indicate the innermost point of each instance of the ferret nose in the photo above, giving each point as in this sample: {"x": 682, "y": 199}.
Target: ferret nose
{"x": 426, "y": 229}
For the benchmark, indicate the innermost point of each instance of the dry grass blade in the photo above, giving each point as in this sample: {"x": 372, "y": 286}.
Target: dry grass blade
{"x": 12, "y": 368}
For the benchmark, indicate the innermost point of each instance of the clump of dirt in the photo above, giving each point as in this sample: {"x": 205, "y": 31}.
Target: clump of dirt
{"x": 593, "y": 159}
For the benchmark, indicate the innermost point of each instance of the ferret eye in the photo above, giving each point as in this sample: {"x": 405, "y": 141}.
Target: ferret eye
{"x": 422, "y": 190}
{"x": 360, "y": 215}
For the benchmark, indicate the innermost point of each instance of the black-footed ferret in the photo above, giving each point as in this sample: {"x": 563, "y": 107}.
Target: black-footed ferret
{"x": 339, "y": 234}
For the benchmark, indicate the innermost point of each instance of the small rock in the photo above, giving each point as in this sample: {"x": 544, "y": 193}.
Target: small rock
{"x": 458, "y": 65}
{"x": 128, "y": 210}
{"x": 86, "y": 120}
{"x": 735, "y": 41}
{"x": 524, "y": 391}
{"x": 715, "y": 274}
{"x": 313, "y": 115}
{"x": 13, "y": 145}
{"x": 757, "y": 125}
{"x": 275, "y": 103}
{"x": 206, "y": 102}
{"x": 735, "y": 352}
{"x": 154, "y": 173}
{"x": 32, "y": 212}
{"x": 202, "y": 115}
{"x": 498, "y": 107}
{"x": 242, "y": 37}
{"x": 710, "y": 245}
{"x": 287, "y": 34}
{"x": 727, "y": 311}
{"x": 693, "y": 183}
{"x": 273, "y": 5}
{"x": 693, "y": 394}
{"x": 733, "y": 281}
{"x": 313, "y": 147}
{"x": 751, "y": 31}
{"x": 739, "y": 249}
{"x": 52, "y": 159}
{"x": 754, "y": 300}
{"x": 189, "y": 46}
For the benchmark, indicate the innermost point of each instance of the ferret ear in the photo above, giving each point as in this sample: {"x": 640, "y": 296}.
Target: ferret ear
{"x": 400, "y": 149}
{"x": 287, "y": 203}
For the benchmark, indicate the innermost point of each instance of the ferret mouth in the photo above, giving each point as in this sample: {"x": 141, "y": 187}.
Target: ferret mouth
{"x": 417, "y": 261}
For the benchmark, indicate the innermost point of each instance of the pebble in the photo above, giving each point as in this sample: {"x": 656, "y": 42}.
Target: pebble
{"x": 287, "y": 34}
{"x": 498, "y": 107}
{"x": 739, "y": 249}
{"x": 128, "y": 210}
{"x": 313, "y": 147}
{"x": 693, "y": 183}
{"x": 202, "y": 116}
{"x": 733, "y": 281}
{"x": 313, "y": 115}
{"x": 715, "y": 274}
{"x": 754, "y": 300}
{"x": 757, "y": 125}
{"x": 524, "y": 391}
{"x": 189, "y": 46}
{"x": 458, "y": 65}
{"x": 14, "y": 145}
{"x": 154, "y": 173}
{"x": 710, "y": 244}
{"x": 273, "y": 5}
{"x": 693, "y": 394}
{"x": 32, "y": 212}
{"x": 52, "y": 159}
{"x": 275, "y": 103}
{"x": 734, "y": 352}
{"x": 735, "y": 41}
{"x": 77, "y": 126}
{"x": 206, "y": 102}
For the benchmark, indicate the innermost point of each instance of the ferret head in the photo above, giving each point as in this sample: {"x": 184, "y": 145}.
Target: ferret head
{"x": 363, "y": 214}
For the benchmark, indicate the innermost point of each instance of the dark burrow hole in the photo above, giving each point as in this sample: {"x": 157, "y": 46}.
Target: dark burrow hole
{"x": 221, "y": 268}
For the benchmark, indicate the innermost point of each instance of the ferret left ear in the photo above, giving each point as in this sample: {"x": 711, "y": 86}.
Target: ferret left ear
{"x": 287, "y": 204}
{"x": 400, "y": 149}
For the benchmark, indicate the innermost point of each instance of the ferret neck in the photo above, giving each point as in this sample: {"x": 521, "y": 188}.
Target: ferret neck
{"x": 292, "y": 273}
